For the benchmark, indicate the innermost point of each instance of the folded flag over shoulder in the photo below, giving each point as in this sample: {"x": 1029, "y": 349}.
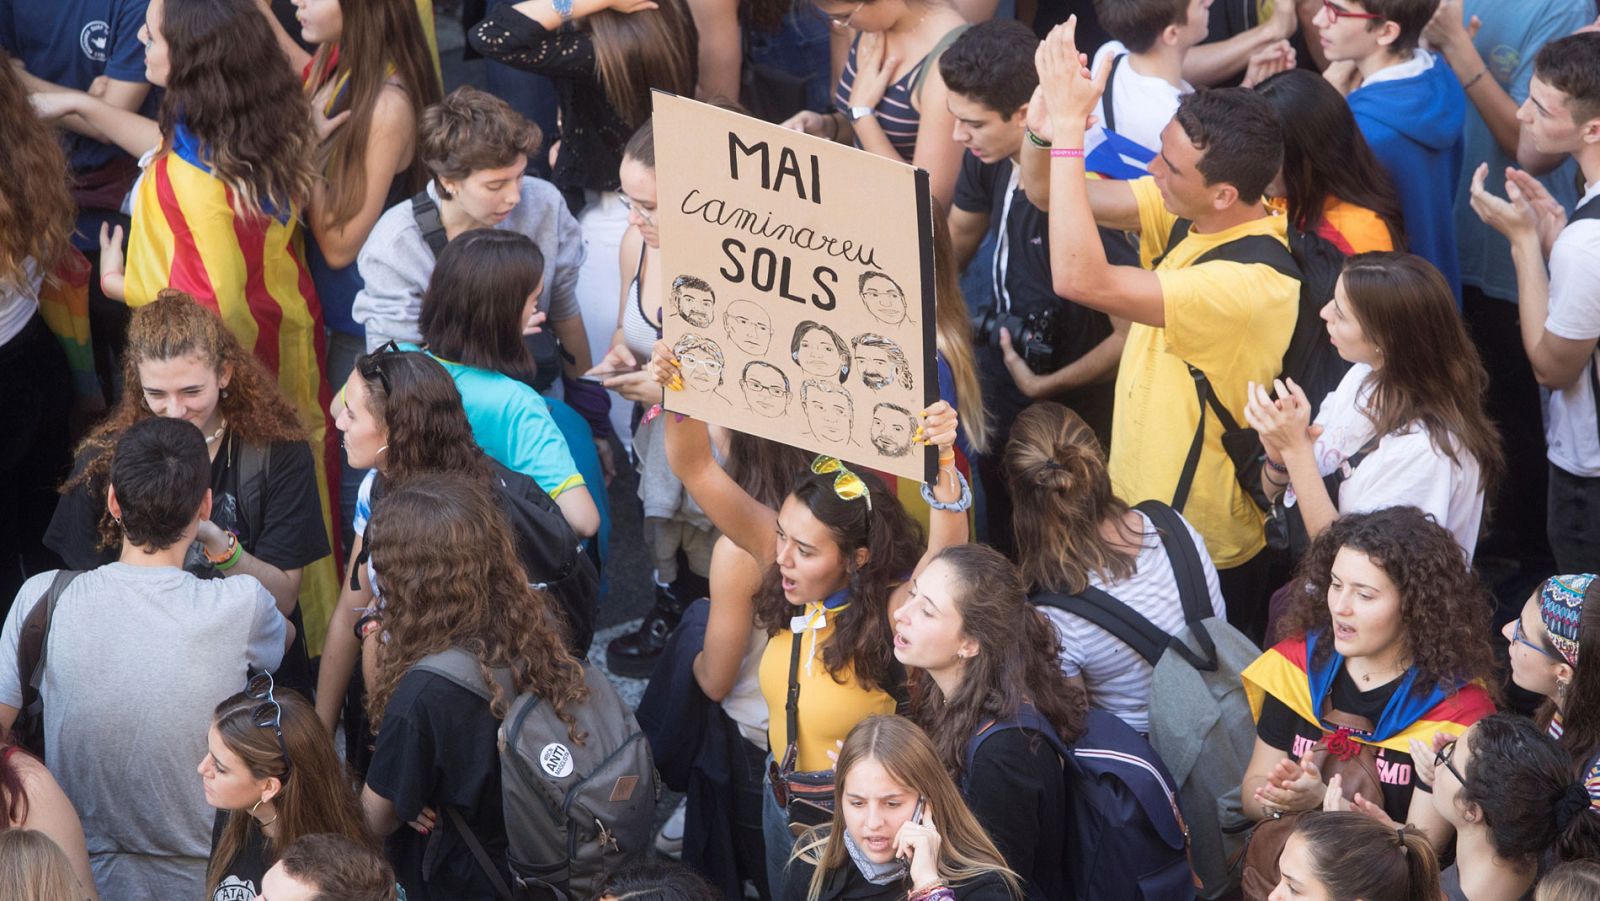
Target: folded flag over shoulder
{"x": 64, "y": 306}
{"x": 1288, "y": 673}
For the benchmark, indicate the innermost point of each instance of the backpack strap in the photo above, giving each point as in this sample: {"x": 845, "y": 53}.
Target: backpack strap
{"x": 1123, "y": 622}
{"x": 426, "y": 212}
{"x": 255, "y": 461}
{"x": 932, "y": 59}
{"x": 33, "y": 642}
{"x": 459, "y": 666}
{"x": 479, "y": 853}
{"x": 1027, "y": 717}
{"x": 1190, "y": 574}
{"x": 1108, "y": 100}
{"x": 791, "y": 702}
{"x": 1204, "y": 397}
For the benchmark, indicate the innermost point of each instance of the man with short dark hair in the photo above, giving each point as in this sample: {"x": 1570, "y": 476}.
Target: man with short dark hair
{"x": 1195, "y": 310}
{"x": 1560, "y": 311}
{"x": 1410, "y": 109}
{"x": 328, "y": 867}
{"x": 139, "y": 653}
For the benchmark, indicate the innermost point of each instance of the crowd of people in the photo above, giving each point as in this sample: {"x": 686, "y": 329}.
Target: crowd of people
{"x": 1256, "y": 564}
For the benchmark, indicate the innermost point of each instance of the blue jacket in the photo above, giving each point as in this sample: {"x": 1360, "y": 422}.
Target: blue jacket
{"x": 1415, "y": 127}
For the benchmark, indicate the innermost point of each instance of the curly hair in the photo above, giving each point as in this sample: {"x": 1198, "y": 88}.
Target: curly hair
{"x": 36, "y": 206}
{"x": 377, "y": 36}
{"x": 451, "y": 578}
{"x": 1019, "y": 658}
{"x": 171, "y": 326}
{"x": 1444, "y": 608}
{"x": 418, "y": 404}
{"x": 234, "y": 90}
{"x": 863, "y": 643}
{"x": 315, "y": 795}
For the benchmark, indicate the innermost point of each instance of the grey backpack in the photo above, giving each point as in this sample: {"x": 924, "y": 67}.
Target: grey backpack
{"x": 1200, "y": 721}
{"x": 574, "y": 813}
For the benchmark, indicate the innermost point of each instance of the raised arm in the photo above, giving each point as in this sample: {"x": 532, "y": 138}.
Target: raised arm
{"x": 946, "y": 527}
{"x": 746, "y": 521}
{"x": 735, "y": 577}
{"x": 1111, "y": 202}
{"x": 721, "y": 48}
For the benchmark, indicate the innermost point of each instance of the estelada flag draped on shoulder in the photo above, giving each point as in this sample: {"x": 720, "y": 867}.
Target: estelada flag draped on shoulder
{"x": 1287, "y": 671}
{"x": 186, "y": 235}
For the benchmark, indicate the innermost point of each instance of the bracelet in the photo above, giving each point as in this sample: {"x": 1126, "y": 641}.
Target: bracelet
{"x": 229, "y": 557}
{"x": 1275, "y": 483}
{"x": 961, "y": 504}
{"x": 1274, "y": 466}
{"x": 366, "y": 625}
{"x": 1075, "y": 153}
{"x": 1034, "y": 139}
{"x": 935, "y": 892}
{"x": 1474, "y": 79}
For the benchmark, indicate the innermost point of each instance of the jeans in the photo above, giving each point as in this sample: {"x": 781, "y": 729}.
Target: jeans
{"x": 1574, "y": 521}
{"x": 780, "y": 841}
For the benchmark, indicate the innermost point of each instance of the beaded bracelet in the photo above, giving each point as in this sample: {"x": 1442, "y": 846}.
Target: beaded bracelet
{"x": 960, "y": 505}
{"x": 936, "y": 892}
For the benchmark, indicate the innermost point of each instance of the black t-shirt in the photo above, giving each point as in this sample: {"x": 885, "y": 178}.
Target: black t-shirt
{"x": 241, "y": 880}
{"x": 436, "y": 748}
{"x": 291, "y": 533}
{"x": 1234, "y": 17}
{"x": 1283, "y": 729}
{"x": 1016, "y": 791}
{"x": 981, "y": 188}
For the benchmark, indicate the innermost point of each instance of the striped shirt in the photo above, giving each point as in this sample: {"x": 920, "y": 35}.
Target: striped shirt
{"x": 895, "y": 113}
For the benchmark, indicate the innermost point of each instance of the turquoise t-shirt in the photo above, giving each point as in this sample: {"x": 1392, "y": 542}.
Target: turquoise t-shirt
{"x": 1511, "y": 36}
{"x": 512, "y": 424}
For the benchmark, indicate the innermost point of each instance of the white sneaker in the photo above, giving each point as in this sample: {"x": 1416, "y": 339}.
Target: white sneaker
{"x": 669, "y": 840}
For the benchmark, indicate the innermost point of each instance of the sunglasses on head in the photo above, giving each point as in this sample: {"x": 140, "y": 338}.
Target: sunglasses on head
{"x": 268, "y": 714}
{"x": 846, "y": 485}
{"x": 372, "y": 365}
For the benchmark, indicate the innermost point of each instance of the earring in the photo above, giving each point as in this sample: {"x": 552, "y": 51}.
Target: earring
{"x": 1561, "y": 690}
{"x": 381, "y": 450}
{"x": 224, "y": 394}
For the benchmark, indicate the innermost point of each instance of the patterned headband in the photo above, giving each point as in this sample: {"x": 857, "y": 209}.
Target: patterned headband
{"x": 1561, "y": 610}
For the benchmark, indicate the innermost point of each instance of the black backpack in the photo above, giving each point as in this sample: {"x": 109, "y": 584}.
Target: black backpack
{"x": 27, "y": 731}
{"x": 1127, "y": 840}
{"x": 1310, "y": 358}
{"x": 550, "y": 552}
{"x": 546, "y": 349}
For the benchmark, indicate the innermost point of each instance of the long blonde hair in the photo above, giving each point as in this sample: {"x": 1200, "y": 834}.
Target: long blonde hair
{"x": 36, "y": 868}
{"x": 905, "y": 752}
{"x": 954, "y": 327}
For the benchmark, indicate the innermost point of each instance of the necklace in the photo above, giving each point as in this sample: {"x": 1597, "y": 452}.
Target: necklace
{"x": 212, "y": 438}
{"x": 1396, "y": 668}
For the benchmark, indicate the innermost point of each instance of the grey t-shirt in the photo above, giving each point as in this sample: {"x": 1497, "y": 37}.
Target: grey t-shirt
{"x": 136, "y": 660}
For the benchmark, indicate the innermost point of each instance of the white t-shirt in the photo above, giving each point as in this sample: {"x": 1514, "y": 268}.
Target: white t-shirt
{"x": 1116, "y": 677}
{"x": 1570, "y": 429}
{"x": 17, "y": 307}
{"x": 1143, "y": 104}
{"x": 1403, "y": 470}
{"x": 745, "y": 704}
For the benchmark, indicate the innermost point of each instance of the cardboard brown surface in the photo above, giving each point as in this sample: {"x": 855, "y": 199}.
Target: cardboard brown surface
{"x": 798, "y": 286}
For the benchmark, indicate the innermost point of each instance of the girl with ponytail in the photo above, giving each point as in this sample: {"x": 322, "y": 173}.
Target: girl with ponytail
{"x": 982, "y": 654}
{"x": 1346, "y": 856}
{"x": 1073, "y": 532}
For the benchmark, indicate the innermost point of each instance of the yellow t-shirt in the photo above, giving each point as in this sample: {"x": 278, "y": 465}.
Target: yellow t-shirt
{"x": 1230, "y": 320}
{"x": 827, "y": 711}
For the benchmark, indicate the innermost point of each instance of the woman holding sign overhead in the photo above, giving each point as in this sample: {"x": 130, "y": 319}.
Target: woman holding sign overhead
{"x": 891, "y": 99}
{"x": 839, "y": 555}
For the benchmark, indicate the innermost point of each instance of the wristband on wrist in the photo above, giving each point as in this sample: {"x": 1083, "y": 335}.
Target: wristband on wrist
{"x": 960, "y": 505}
{"x": 1075, "y": 153}
{"x": 366, "y": 625}
{"x": 227, "y": 554}
{"x": 1274, "y": 465}
{"x": 1035, "y": 140}
{"x": 233, "y": 557}
{"x": 1474, "y": 79}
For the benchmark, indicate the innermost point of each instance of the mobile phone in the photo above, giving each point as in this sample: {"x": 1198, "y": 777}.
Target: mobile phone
{"x": 916, "y": 812}
{"x": 600, "y": 377}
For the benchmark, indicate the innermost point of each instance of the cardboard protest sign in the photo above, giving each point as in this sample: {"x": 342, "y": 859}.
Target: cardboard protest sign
{"x": 797, "y": 284}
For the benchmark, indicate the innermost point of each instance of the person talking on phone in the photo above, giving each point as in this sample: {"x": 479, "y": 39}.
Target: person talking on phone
{"x": 900, "y": 829}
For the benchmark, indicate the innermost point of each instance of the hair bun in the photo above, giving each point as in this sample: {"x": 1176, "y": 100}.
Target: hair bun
{"x": 1573, "y": 801}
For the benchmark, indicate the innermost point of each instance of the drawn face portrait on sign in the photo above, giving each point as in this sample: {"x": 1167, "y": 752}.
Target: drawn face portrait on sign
{"x": 829, "y": 410}
{"x": 765, "y": 387}
{"x": 883, "y": 298}
{"x": 892, "y": 428}
{"x": 748, "y": 327}
{"x": 819, "y": 351}
{"x": 700, "y": 360}
{"x": 694, "y": 301}
{"x": 880, "y": 362}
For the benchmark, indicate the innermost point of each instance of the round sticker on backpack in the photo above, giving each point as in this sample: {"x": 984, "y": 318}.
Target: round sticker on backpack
{"x": 556, "y": 760}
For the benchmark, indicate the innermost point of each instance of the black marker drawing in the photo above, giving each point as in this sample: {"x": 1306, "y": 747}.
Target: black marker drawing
{"x": 694, "y": 301}
{"x": 819, "y": 351}
{"x": 830, "y": 411}
{"x": 700, "y": 361}
{"x": 765, "y": 387}
{"x": 883, "y": 298}
{"x": 892, "y": 428}
{"x": 748, "y": 327}
{"x": 880, "y": 361}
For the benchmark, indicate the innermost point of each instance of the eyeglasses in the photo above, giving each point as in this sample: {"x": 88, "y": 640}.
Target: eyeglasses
{"x": 372, "y": 365}
{"x": 1336, "y": 12}
{"x": 1442, "y": 757}
{"x": 633, "y": 206}
{"x": 269, "y": 713}
{"x": 691, "y": 362}
{"x": 1520, "y": 637}
{"x": 776, "y": 390}
{"x": 846, "y": 484}
{"x": 843, "y": 20}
